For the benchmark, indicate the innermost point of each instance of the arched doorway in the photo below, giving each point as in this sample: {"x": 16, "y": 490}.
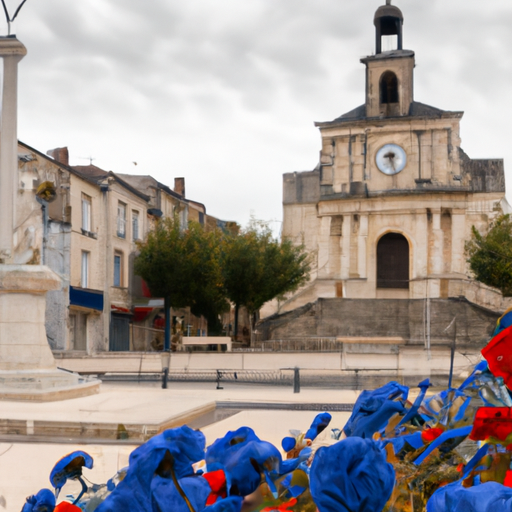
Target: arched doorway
{"x": 388, "y": 88}
{"x": 393, "y": 261}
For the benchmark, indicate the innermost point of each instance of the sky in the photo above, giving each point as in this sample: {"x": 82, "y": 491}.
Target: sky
{"x": 226, "y": 92}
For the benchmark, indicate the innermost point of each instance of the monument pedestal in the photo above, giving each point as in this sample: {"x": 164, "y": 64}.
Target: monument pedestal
{"x": 27, "y": 367}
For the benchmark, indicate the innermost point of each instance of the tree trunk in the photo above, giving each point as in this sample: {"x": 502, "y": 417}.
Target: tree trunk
{"x": 235, "y": 329}
{"x": 167, "y": 335}
{"x": 252, "y": 323}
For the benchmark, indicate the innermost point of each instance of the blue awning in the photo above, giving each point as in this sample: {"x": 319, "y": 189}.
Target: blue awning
{"x": 85, "y": 298}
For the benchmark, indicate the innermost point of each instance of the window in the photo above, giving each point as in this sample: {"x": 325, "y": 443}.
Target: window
{"x": 388, "y": 88}
{"x": 135, "y": 225}
{"x": 86, "y": 213}
{"x": 118, "y": 269}
{"x": 84, "y": 279}
{"x": 121, "y": 220}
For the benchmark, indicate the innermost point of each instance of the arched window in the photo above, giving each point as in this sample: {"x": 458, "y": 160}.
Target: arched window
{"x": 393, "y": 261}
{"x": 388, "y": 88}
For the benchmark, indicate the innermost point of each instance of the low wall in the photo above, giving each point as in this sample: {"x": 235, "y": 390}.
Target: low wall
{"x": 393, "y": 360}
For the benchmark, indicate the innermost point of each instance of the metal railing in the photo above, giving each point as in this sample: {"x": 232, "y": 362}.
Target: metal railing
{"x": 296, "y": 344}
{"x": 340, "y": 379}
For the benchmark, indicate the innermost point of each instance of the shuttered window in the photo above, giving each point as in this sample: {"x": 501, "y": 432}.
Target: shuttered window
{"x": 121, "y": 220}
{"x": 86, "y": 213}
{"x": 135, "y": 225}
{"x": 118, "y": 269}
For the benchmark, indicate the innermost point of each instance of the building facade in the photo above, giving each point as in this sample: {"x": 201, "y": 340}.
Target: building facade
{"x": 84, "y": 223}
{"x": 388, "y": 209}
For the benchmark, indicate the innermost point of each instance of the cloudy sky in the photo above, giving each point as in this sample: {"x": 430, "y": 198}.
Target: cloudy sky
{"x": 225, "y": 92}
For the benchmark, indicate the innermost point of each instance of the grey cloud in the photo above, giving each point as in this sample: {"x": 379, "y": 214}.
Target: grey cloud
{"x": 126, "y": 75}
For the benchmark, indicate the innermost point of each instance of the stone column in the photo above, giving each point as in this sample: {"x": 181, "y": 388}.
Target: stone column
{"x": 362, "y": 241}
{"x": 11, "y": 51}
{"x": 27, "y": 367}
{"x": 458, "y": 240}
{"x": 345, "y": 246}
{"x": 436, "y": 252}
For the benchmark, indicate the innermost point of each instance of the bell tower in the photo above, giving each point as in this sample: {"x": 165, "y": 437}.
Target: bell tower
{"x": 389, "y": 73}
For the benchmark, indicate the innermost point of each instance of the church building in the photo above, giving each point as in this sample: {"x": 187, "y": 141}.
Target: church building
{"x": 388, "y": 209}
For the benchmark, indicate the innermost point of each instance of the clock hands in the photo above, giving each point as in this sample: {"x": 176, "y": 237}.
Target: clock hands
{"x": 391, "y": 157}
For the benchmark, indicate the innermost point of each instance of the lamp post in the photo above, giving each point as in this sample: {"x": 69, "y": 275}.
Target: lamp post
{"x": 166, "y": 364}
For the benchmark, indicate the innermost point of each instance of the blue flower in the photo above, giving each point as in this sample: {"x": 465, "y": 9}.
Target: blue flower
{"x": 70, "y": 468}
{"x": 351, "y": 476}
{"x": 168, "y": 455}
{"x": 320, "y": 423}
{"x": 488, "y": 497}
{"x": 43, "y": 501}
{"x": 231, "y": 504}
{"x": 167, "y": 498}
{"x": 373, "y": 410}
{"x": 248, "y": 461}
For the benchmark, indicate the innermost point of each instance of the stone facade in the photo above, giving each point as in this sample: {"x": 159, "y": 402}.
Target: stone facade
{"x": 388, "y": 209}
{"x": 87, "y": 233}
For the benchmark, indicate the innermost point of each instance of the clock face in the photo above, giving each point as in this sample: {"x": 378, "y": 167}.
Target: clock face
{"x": 391, "y": 159}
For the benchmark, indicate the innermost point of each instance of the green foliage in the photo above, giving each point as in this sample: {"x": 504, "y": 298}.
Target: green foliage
{"x": 183, "y": 265}
{"x": 490, "y": 254}
{"x": 257, "y": 268}
{"x": 192, "y": 267}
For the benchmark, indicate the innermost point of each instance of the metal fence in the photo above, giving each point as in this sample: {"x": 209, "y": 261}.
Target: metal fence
{"x": 341, "y": 379}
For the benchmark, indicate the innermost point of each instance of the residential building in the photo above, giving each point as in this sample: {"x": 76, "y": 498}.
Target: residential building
{"x": 85, "y": 223}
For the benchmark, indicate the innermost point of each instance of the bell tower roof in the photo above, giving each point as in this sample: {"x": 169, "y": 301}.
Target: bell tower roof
{"x": 388, "y": 21}
{"x": 388, "y": 11}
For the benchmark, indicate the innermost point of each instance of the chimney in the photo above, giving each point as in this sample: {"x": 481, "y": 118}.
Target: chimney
{"x": 60, "y": 155}
{"x": 179, "y": 186}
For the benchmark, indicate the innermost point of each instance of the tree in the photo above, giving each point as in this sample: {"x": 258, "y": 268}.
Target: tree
{"x": 183, "y": 266}
{"x": 490, "y": 254}
{"x": 257, "y": 268}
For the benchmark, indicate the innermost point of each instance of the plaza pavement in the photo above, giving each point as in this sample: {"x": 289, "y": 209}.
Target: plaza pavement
{"x": 28, "y": 455}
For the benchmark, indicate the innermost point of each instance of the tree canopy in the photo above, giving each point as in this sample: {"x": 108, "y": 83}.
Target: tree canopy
{"x": 183, "y": 266}
{"x": 490, "y": 254}
{"x": 193, "y": 267}
{"x": 257, "y": 268}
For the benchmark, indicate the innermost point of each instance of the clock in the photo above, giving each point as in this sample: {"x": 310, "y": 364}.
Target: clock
{"x": 391, "y": 159}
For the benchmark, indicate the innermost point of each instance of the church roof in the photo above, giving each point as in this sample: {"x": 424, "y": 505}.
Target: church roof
{"x": 391, "y": 11}
{"x": 416, "y": 109}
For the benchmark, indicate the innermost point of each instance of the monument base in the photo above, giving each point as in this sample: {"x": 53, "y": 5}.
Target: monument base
{"x": 27, "y": 368}
{"x": 45, "y": 386}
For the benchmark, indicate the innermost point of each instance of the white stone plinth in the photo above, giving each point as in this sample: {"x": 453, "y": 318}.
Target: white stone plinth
{"x": 23, "y": 343}
{"x": 27, "y": 367}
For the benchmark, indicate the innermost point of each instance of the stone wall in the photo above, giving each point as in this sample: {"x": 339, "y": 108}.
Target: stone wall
{"x": 381, "y": 318}
{"x": 57, "y": 302}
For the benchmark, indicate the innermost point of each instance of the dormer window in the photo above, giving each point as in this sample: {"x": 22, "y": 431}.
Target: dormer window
{"x": 388, "y": 88}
